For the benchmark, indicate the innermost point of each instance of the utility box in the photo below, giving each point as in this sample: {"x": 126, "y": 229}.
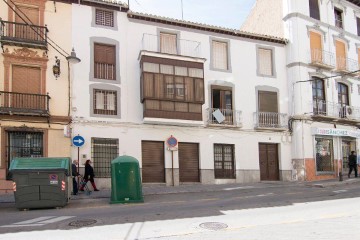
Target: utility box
{"x": 126, "y": 180}
{"x": 41, "y": 182}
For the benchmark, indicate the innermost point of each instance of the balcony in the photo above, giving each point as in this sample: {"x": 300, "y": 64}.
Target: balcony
{"x": 224, "y": 117}
{"x": 323, "y": 59}
{"x": 334, "y": 111}
{"x": 347, "y": 65}
{"x": 12, "y": 103}
{"x": 21, "y": 34}
{"x": 271, "y": 120}
{"x": 186, "y": 48}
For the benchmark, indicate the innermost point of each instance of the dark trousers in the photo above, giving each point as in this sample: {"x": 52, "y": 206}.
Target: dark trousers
{"x": 75, "y": 186}
{"x": 351, "y": 167}
{"x": 91, "y": 179}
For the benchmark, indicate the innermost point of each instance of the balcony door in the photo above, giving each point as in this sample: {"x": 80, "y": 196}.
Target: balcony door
{"x": 340, "y": 55}
{"x": 31, "y": 16}
{"x": 316, "y": 47}
{"x": 222, "y": 100}
{"x": 268, "y": 109}
{"x": 343, "y": 99}
{"x": 318, "y": 92}
{"x": 168, "y": 43}
{"x": 26, "y": 87}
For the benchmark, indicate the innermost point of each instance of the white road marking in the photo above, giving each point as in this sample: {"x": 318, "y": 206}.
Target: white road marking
{"x": 340, "y": 191}
{"x": 58, "y": 219}
{"x": 264, "y": 195}
{"x": 40, "y": 221}
{"x": 246, "y": 187}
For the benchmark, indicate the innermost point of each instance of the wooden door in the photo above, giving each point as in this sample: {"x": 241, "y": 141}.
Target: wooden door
{"x": 269, "y": 162}
{"x": 153, "y": 162}
{"x": 189, "y": 162}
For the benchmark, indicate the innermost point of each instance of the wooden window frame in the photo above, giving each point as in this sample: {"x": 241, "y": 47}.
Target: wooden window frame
{"x": 102, "y": 68}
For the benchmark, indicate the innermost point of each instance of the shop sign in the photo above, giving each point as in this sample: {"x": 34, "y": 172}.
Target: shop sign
{"x": 335, "y": 132}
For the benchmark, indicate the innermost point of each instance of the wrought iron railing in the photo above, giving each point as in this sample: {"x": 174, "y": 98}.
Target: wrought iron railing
{"x": 335, "y": 110}
{"x": 105, "y": 71}
{"x": 181, "y": 47}
{"x": 21, "y": 33}
{"x": 270, "y": 120}
{"x": 24, "y": 103}
{"x": 346, "y": 64}
{"x": 226, "y": 117}
{"x": 319, "y": 56}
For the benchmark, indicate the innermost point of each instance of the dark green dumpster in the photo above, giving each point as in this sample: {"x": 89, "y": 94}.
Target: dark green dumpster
{"x": 41, "y": 182}
{"x": 126, "y": 180}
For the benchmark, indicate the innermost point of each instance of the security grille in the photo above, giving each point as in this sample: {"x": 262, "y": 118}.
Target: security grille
{"x": 105, "y": 18}
{"x": 224, "y": 161}
{"x": 103, "y": 151}
{"x": 24, "y": 144}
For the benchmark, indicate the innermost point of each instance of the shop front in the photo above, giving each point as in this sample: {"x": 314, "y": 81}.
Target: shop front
{"x": 332, "y": 148}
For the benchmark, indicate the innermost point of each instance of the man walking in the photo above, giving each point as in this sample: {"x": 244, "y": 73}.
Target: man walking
{"x": 353, "y": 164}
{"x": 75, "y": 173}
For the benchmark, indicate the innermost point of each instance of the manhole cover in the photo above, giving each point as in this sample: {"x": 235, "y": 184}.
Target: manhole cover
{"x": 82, "y": 223}
{"x": 213, "y": 225}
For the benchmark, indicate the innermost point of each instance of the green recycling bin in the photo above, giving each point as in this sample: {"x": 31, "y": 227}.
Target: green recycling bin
{"x": 126, "y": 180}
{"x": 41, "y": 182}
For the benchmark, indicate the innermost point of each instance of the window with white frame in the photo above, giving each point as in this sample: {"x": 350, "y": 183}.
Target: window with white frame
{"x": 104, "y": 18}
{"x": 105, "y": 102}
{"x": 220, "y": 55}
{"x": 265, "y": 61}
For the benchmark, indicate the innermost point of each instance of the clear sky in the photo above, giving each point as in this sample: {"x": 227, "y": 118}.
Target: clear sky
{"x": 223, "y": 13}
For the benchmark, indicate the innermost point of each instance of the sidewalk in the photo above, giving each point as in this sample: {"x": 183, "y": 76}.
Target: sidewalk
{"x": 157, "y": 189}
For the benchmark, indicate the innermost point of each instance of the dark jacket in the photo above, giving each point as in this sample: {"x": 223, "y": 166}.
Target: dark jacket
{"x": 89, "y": 171}
{"x": 352, "y": 160}
{"x": 74, "y": 170}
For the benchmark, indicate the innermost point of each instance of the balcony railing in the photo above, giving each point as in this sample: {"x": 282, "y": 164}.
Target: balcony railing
{"x": 22, "y": 34}
{"x": 322, "y": 58}
{"x": 24, "y": 103}
{"x": 271, "y": 120}
{"x": 181, "y": 47}
{"x": 335, "y": 110}
{"x": 224, "y": 117}
{"x": 346, "y": 64}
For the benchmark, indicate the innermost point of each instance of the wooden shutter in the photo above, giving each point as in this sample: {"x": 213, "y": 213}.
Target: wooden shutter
{"x": 25, "y": 81}
{"x": 268, "y": 101}
{"x": 314, "y": 9}
{"x": 189, "y": 162}
{"x": 168, "y": 43}
{"x": 265, "y": 62}
{"x": 27, "y": 13}
{"x": 316, "y": 47}
{"x": 104, "y": 61}
{"x": 269, "y": 162}
{"x": 219, "y": 55}
{"x": 153, "y": 162}
{"x": 340, "y": 55}
{"x": 31, "y": 16}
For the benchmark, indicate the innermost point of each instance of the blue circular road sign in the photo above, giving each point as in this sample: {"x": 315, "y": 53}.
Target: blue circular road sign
{"x": 78, "y": 141}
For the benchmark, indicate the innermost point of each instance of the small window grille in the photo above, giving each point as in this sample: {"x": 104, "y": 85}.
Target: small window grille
{"x": 224, "y": 161}
{"x": 105, "y": 102}
{"x": 104, "y": 18}
{"x": 103, "y": 151}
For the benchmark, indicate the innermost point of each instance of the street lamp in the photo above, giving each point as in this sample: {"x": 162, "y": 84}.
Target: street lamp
{"x": 73, "y": 60}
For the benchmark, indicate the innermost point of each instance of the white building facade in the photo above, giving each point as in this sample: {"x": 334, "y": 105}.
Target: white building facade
{"x": 146, "y": 81}
{"x": 322, "y": 60}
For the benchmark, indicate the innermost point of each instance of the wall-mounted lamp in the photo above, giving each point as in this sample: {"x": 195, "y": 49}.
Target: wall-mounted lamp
{"x": 56, "y": 68}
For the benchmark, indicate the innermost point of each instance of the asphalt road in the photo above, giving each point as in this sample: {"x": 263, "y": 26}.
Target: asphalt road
{"x": 164, "y": 207}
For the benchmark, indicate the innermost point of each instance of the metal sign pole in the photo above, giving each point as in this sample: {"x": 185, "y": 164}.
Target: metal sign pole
{"x": 78, "y": 167}
{"x": 172, "y": 167}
